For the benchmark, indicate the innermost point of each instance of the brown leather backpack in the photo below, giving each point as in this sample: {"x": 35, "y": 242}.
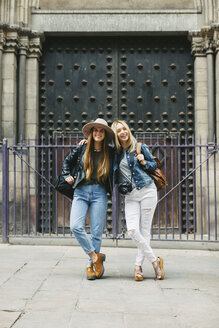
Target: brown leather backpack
{"x": 159, "y": 178}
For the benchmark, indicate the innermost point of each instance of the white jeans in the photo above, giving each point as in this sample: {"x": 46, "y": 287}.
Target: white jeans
{"x": 139, "y": 210}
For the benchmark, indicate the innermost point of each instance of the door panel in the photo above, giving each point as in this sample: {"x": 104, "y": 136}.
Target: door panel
{"x": 147, "y": 81}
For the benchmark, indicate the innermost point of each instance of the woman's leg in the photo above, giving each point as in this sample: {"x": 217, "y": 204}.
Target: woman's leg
{"x": 133, "y": 212}
{"x": 132, "y": 215}
{"x": 148, "y": 206}
{"x": 98, "y": 209}
{"x": 78, "y": 216}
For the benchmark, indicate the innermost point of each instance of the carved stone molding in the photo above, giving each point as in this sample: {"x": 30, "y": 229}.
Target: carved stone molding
{"x": 205, "y": 41}
{"x": 207, "y": 33}
{"x": 216, "y": 37}
{"x": 23, "y": 45}
{"x": 11, "y": 44}
{"x": 197, "y": 41}
{"x": 2, "y": 40}
{"x": 35, "y": 48}
{"x": 22, "y": 40}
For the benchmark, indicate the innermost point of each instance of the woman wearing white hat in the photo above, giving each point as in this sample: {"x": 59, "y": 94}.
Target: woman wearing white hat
{"x": 93, "y": 181}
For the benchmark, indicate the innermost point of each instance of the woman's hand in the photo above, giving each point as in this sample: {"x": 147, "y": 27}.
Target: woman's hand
{"x": 70, "y": 180}
{"x": 82, "y": 142}
{"x": 141, "y": 159}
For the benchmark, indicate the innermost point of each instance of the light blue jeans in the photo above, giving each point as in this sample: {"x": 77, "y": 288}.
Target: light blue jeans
{"x": 93, "y": 196}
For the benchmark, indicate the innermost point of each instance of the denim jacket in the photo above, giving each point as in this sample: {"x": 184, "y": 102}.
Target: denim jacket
{"x": 139, "y": 171}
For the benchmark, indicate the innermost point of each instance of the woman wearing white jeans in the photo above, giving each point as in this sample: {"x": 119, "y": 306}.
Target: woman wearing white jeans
{"x": 141, "y": 201}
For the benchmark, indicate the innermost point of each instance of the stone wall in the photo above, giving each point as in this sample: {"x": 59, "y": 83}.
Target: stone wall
{"x": 115, "y": 4}
{"x": 17, "y": 12}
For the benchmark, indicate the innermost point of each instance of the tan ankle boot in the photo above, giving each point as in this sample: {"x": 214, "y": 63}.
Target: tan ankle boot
{"x": 90, "y": 272}
{"x": 98, "y": 265}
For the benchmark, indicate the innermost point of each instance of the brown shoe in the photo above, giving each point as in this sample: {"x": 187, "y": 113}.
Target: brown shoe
{"x": 98, "y": 265}
{"x": 90, "y": 272}
{"x": 159, "y": 270}
{"x": 138, "y": 274}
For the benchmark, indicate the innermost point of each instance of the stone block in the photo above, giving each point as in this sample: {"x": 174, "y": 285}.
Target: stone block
{"x": 201, "y": 130}
{"x": 31, "y": 130}
{"x": 114, "y": 22}
{"x": 9, "y": 66}
{"x": 201, "y": 116}
{"x": 31, "y": 115}
{"x": 201, "y": 75}
{"x": 32, "y": 65}
{"x": 9, "y": 100}
{"x": 32, "y": 79}
{"x": 32, "y": 88}
{"x": 114, "y": 4}
{"x": 8, "y": 114}
{"x": 200, "y": 63}
{"x": 9, "y": 129}
{"x": 9, "y": 86}
{"x": 201, "y": 103}
{"x": 103, "y": 319}
{"x": 201, "y": 88}
{"x": 8, "y": 318}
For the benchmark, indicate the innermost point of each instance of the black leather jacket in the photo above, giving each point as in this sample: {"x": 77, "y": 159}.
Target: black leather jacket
{"x": 73, "y": 165}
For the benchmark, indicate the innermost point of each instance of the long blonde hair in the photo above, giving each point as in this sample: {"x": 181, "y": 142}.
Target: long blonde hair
{"x": 104, "y": 163}
{"x": 131, "y": 140}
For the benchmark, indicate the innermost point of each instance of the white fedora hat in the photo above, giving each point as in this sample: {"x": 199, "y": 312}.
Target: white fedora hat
{"x": 100, "y": 123}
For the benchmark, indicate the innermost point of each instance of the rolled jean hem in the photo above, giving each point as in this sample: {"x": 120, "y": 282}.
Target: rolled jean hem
{"x": 141, "y": 263}
{"x": 87, "y": 252}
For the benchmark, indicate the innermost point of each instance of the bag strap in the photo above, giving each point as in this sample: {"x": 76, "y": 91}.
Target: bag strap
{"x": 125, "y": 176}
{"x": 138, "y": 148}
{"x": 138, "y": 152}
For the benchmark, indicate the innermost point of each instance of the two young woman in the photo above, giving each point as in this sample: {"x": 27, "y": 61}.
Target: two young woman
{"x": 95, "y": 176}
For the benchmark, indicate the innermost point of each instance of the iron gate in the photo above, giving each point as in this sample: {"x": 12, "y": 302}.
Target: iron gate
{"x": 20, "y": 195}
{"x": 147, "y": 81}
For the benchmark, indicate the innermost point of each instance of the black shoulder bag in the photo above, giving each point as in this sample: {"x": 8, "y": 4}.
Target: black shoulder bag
{"x": 63, "y": 186}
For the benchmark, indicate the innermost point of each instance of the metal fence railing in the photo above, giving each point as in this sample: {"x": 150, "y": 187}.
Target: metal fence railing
{"x": 187, "y": 208}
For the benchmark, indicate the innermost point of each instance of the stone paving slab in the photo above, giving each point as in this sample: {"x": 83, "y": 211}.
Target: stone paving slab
{"x": 7, "y": 318}
{"x": 46, "y": 286}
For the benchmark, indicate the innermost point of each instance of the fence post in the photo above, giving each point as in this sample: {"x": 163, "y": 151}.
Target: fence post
{"x": 115, "y": 214}
{"x": 5, "y": 191}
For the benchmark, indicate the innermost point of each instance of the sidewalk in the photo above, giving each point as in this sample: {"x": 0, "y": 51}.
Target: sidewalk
{"x": 46, "y": 287}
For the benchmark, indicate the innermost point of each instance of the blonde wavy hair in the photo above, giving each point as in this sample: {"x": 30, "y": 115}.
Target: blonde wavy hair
{"x": 131, "y": 140}
{"x": 103, "y": 164}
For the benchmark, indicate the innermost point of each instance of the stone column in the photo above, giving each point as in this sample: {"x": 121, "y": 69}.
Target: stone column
{"x": 22, "y": 86}
{"x": 32, "y": 88}
{"x": 2, "y": 43}
{"x": 201, "y": 126}
{"x": 212, "y": 172}
{"x": 209, "y": 49}
{"x": 200, "y": 87}
{"x": 216, "y": 40}
{"x": 32, "y": 114}
{"x": 9, "y": 81}
{"x": 216, "y": 43}
{"x": 202, "y": 49}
